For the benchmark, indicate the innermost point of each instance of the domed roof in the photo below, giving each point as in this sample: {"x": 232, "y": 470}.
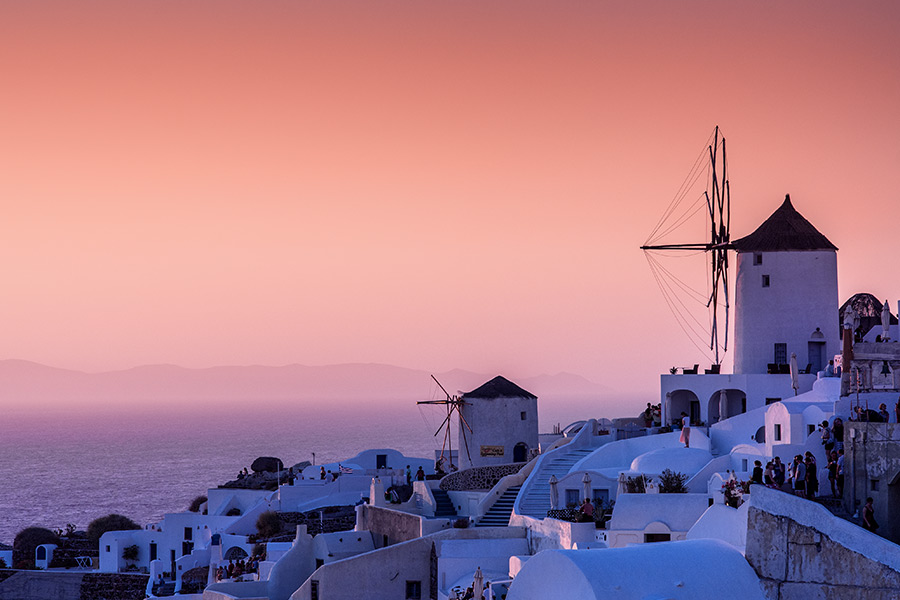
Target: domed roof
{"x": 868, "y": 308}
{"x": 680, "y": 460}
{"x": 785, "y": 230}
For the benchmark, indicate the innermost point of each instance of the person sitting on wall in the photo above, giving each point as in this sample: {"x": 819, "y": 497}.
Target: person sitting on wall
{"x": 420, "y": 474}
{"x": 757, "y": 476}
{"x": 586, "y": 510}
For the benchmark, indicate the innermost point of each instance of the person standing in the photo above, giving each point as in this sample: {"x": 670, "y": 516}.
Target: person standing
{"x": 798, "y": 476}
{"x": 868, "y": 516}
{"x": 779, "y": 469}
{"x": 832, "y": 472}
{"x": 685, "y": 430}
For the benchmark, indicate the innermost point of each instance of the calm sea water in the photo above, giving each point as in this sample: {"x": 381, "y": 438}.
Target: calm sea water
{"x": 57, "y": 469}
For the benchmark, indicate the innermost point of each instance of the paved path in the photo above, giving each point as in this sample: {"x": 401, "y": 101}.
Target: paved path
{"x": 41, "y": 585}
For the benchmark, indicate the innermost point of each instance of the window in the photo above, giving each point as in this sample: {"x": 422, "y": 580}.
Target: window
{"x": 573, "y": 498}
{"x": 649, "y": 538}
{"x": 314, "y": 589}
{"x": 320, "y": 562}
{"x": 153, "y": 551}
{"x": 187, "y": 548}
{"x": 523, "y": 415}
{"x": 107, "y": 548}
{"x": 772, "y": 401}
{"x": 765, "y": 280}
{"x": 414, "y": 590}
{"x": 874, "y": 485}
{"x": 601, "y": 497}
{"x": 810, "y": 429}
{"x": 781, "y": 354}
{"x": 757, "y": 258}
{"x": 744, "y": 465}
{"x": 777, "y": 432}
{"x": 188, "y": 533}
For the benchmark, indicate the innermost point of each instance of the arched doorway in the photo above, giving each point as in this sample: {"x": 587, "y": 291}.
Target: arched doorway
{"x": 520, "y": 452}
{"x": 235, "y": 553}
{"x": 734, "y": 402}
{"x": 680, "y": 401}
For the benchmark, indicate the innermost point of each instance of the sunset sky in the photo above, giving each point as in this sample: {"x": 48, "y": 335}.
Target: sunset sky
{"x": 427, "y": 184}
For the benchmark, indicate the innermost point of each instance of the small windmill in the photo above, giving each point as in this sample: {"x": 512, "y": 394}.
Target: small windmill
{"x": 454, "y": 404}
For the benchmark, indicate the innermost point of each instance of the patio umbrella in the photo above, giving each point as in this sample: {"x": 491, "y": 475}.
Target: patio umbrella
{"x": 586, "y": 480}
{"x": 795, "y": 373}
{"x": 554, "y": 493}
{"x": 478, "y": 583}
{"x": 886, "y": 321}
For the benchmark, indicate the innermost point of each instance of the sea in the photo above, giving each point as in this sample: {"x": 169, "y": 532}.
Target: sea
{"x": 57, "y": 469}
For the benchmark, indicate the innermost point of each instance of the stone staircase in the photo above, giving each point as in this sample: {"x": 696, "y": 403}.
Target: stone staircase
{"x": 498, "y": 514}
{"x": 444, "y": 506}
{"x": 166, "y": 589}
{"x": 536, "y": 502}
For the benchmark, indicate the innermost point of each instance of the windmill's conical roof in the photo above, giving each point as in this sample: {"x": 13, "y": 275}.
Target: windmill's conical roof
{"x": 499, "y": 387}
{"x": 785, "y": 230}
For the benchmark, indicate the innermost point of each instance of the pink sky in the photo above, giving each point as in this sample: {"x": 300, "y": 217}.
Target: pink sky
{"x": 431, "y": 185}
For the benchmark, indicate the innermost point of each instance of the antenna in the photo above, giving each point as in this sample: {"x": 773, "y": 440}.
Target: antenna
{"x": 453, "y": 404}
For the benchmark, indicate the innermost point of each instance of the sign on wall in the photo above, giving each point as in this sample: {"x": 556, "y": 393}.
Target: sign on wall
{"x": 492, "y": 450}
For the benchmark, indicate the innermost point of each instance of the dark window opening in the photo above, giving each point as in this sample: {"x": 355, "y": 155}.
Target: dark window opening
{"x": 413, "y": 590}
{"x": 772, "y": 401}
{"x": 777, "y": 432}
{"x": 523, "y": 415}
{"x": 650, "y": 538}
{"x": 757, "y": 259}
{"x": 153, "y": 551}
{"x": 188, "y": 533}
{"x": 765, "y": 281}
{"x": 781, "y": 354}
{"x": 314, "y": 590}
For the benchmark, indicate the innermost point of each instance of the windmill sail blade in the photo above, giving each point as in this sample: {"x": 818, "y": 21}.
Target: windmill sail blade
{"x": 445, "y": 422}
{"x": 442, "y": 387}
{"x": 466, "y": 444}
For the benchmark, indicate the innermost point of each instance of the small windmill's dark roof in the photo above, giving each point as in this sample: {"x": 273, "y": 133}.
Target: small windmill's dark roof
{"x": 785, "y": 230}
{"x": 499, "y": 387}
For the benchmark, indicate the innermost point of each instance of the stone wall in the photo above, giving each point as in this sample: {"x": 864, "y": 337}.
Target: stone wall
{"x": 393, "y": 525}
{"x": 479, "y": 478}
{"x": 872, "y": 468}
{"x": 801, "y": 552}
{"x": 67, "y": 585}
{"x": 113, "y": 586}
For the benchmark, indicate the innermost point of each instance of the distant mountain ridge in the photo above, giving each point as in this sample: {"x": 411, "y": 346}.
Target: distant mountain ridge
{"x": 33, "y": 384}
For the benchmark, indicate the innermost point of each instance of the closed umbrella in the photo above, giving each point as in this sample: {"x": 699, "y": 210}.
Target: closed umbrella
{"x": 886, "y": 321}
{"x": 795, "y": 373}
{"x": 586, "y": 480}
{"x": 554, "y": 493}
{"x": 478, "y": 583}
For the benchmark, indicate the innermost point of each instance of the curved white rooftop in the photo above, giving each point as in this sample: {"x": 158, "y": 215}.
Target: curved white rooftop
{"x": 663, "y": 570}
{"x": 678, "y": 459}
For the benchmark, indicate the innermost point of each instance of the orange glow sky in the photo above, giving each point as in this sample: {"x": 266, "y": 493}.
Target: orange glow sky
{"x": 431, "y": 185}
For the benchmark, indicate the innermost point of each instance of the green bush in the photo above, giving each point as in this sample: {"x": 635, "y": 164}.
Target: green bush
{"x": 29, "y": 539}
{"x": 268, "y": 524}
{"x": 196, "y": 503}
{"x": 635, "y": 485}
{"x": 671, "y": 482}
{"x": 130, "y": 553}
{"x": 111, "y": 522}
